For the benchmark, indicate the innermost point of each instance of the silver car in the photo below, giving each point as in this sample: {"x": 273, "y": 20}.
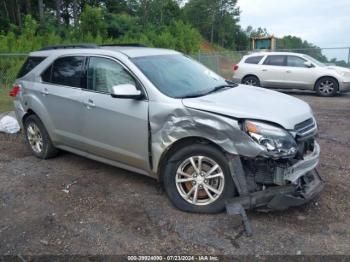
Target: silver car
{"x": 286, "y": 70}
{"x": 159, "y": 113}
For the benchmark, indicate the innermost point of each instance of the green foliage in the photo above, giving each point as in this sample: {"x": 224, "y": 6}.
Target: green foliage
{"x": 217, "y": 20}
{"x": 298, "y": 45}
{"x": 92, "y": 23}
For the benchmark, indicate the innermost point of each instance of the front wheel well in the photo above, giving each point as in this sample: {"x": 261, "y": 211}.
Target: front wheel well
{"x": 178, "y": 145}
{"x": 335, "y": 79}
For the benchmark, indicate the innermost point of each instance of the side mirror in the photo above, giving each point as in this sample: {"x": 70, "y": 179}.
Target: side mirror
{"x": 308, "y": 64}
{"x": 126, "y": 91}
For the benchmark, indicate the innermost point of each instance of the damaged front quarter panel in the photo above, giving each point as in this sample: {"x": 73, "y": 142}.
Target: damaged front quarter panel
{"x": 171, "y": 122}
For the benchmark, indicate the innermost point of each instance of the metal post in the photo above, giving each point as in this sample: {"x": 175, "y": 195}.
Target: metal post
{"x": 349, "y": 58}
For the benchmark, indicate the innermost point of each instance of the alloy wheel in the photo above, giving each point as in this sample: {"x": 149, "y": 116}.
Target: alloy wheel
{"x": 35, "y": 138}
{"x": 326, "y": 87}
{"x": 250, "y": 82}
{"x": 199, "y": 180}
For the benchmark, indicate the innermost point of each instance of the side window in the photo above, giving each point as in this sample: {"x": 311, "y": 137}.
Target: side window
{"x": 46, "y": 75}
{"x": 29, "y": 65}
{"x": 66, "y": 71}
{"x": 295, "y": 61}
{"x": 104, "y": 73}
{"x": 275, "y": 60}
{"x": 253, "y": 60}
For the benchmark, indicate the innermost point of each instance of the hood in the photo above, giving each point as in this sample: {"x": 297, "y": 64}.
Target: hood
{"x": 339, "y": 69}
{"x": 250, "y": 102}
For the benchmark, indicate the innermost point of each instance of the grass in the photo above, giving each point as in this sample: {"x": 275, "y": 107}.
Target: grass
{"x": 6, "y": 102}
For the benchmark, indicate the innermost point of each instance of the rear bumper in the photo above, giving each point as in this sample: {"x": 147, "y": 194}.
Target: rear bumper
{"x": 283, "y": 197}
{"x": 20, "y": 112}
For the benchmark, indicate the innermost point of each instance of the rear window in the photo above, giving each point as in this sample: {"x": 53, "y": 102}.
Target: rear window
{"x": 253, "y": 60}
{"x": 29, "y": 65}
{"x": 65, "y": 71}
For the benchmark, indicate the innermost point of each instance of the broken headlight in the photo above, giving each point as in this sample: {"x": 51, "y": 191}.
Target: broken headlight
{"x": 275, "y": 141}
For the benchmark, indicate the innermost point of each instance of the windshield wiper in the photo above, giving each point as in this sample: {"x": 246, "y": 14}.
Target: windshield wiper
{"x": 217, "y": 88}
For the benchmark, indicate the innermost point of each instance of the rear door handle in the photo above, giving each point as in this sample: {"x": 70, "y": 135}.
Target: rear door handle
{"x": 264, "y": 70}
{"x": 288, "y": 71}
{"x": 89, "y": 104}
{"x": 45, "y": 92}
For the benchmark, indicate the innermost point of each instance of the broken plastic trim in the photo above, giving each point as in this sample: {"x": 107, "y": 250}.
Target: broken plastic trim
{"x": 283, "y": 197}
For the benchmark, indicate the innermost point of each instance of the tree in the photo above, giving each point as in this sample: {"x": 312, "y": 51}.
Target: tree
{"x": 217, "y": 20}
{"x": 92, "y": 22}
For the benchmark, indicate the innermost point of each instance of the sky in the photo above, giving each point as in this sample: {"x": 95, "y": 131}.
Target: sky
{"x": 325, "y": 23}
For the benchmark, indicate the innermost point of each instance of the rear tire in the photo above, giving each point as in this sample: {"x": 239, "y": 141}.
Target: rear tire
{"x": 251, "y": 81}
{"x": 212, "y": 174}
{"x": 38, "y": 139}
{"x": 326, "y": 86}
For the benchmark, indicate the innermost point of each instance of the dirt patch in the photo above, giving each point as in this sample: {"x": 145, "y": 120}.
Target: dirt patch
{"x": 73, "y": 205}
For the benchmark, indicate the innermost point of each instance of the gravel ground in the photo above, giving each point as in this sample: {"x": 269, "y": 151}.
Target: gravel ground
{"x": 73, "y": 205}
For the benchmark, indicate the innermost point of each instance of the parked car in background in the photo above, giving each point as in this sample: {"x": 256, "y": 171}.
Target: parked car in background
{"x": 160, "y": 113}
{"x": 291, "y": 71}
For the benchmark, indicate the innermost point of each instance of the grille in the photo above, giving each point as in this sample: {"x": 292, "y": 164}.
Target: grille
{"x": 306, "y": 127}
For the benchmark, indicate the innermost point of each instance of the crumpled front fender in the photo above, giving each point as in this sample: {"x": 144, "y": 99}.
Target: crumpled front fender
{"x": 170, "y": 123}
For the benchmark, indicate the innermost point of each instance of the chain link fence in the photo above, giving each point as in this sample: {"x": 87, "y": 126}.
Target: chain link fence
{"x": 222, "y": 62}
{"x": 9, "y": 67}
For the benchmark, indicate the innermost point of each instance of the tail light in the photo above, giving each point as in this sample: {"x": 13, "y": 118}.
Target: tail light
{"x": 15, "y": 90}
{"x": 235, "y": 67}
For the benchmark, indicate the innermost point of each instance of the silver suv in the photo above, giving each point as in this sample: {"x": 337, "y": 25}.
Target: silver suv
{"x": 159, "y": 113}
{"x": 284, "y": 70}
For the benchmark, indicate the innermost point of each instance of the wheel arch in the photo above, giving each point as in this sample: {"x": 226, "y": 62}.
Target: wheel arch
{"x": 27, "y": 114}
{"x": 38, "y": 110}
{"x": 326, "y": 76}
{"x": 178, "y": 145}
{"x": 250, "y": 74}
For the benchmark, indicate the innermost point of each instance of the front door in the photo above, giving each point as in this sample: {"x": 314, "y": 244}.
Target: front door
{"x": 298, "y": 75}
{"x": 114, "y": 128}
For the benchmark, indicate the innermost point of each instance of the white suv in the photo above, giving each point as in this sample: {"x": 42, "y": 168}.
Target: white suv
{"x": 291, "y": 71}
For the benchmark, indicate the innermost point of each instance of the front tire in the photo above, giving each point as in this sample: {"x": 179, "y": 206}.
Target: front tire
{"x": 327, "y": 86}
{"x": 198, "y": 179}
{"x": 38, "y": 138}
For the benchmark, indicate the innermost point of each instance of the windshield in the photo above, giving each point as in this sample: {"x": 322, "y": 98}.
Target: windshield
{"x": 178, "y": 76}
{"x": 314, "y": 61}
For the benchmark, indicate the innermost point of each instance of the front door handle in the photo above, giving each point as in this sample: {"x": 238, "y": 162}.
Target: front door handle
{"x": 89, "y": 104}
{"x": 288, "y": 71}
{"x": 45, "y": 92}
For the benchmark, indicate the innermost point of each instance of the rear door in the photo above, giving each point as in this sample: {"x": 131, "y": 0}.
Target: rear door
{"x": 297, "y": 74}
{"x": 114, "y": 128}
{"x": 272, "y": 71}
{"x": 61, "y": 93}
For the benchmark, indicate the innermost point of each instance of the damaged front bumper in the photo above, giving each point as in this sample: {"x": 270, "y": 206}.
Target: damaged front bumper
{"x": 303, "y": 184}
{"x": 283, "y": 197}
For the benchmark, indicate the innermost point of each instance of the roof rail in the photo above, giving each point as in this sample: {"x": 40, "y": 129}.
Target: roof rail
{"x": 128, "y": 44}
{"x": 53, "y": 47}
